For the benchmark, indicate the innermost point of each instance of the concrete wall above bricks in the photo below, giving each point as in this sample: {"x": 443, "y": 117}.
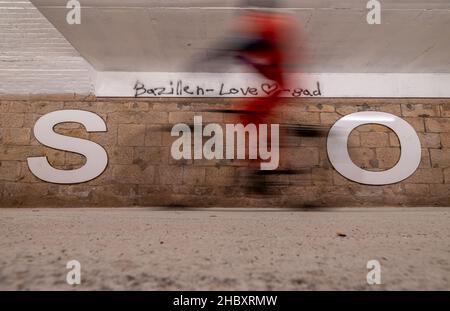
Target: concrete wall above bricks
{"x": 35, "y": 58}
{"x": 141, "y": 171}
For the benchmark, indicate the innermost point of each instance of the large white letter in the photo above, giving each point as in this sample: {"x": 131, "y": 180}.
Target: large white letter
{"x": 374, "y": 15}
{"x": 374, "y": 275}
{"x": 73, "y": 17}
{"x": 96, "y": 156}
{"x": 216, "y": 142}
{"x": 184, "y": 142}
{"x": 409, "y": 141}
{"x": 198, "y": 137}
{"x": 73, "y": 277}
{"x": 274, "y": 154}
{"x": 240, "y": 132}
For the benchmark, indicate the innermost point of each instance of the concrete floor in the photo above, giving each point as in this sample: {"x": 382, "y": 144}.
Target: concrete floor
{"x": 225, "y": 249}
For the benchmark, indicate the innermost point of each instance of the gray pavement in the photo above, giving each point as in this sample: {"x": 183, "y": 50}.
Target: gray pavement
{"x": 225, "y": 249}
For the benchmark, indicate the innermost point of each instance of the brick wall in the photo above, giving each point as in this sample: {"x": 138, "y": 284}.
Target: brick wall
{"x": 141, "y": 171}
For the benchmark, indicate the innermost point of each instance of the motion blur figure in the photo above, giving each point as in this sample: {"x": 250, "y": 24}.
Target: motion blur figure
{"x": 265, "y": 39}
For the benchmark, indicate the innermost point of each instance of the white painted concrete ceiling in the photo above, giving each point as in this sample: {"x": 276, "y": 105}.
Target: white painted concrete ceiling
{"x": 161, "y": 35}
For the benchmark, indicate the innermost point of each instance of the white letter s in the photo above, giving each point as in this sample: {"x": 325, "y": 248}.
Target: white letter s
{"x": 96, "y": 156}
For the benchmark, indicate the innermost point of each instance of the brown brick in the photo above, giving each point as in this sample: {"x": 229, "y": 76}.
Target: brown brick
{"x": 166, "y": 157}
{"x": 168, "y": 139}
{"x": 425, "y": 161}
{"x": 210, "y": 117}
{"x": 11, "y": 120}
{"x": 166, "y": 106}
{"x": 292, "y": 107}
{"x": 79, "y": 191}
{"x": 344, "y": 110}
{"x": 340, "y": 180}
{"x": 388, "y": 108}
{"x": 306, "y": 193}
{"x": 66, "y": 126}
{"x": 440, "y": 158}
{"x": 141, "y": 118}
{"x": 170, "y": 175}
{"x": 131, "y": 135}
{"x": 420, "y": 110}
{"x": 145, "y": 156}
{"x": 105, "y": 139}
{"x": 16, "y": 136}
{"x": 133, "y": 174}
{"x": 322, "y": 176}
{"x": 10, "y": 170}
{"x": 4, "y": 106}
{"x": 417, "y": 123}
{"x": 302, "y": 179}
{"x": 324, "y": 162}
{"x": 417, "y": 189}
{"x": 230, "y": 118}
{"x": 19, "y": 107}
{"x": 445, "y": 110}
{"x": 120, "y": 155}
{"x": 139, "y": 171}
{"x": 393, "y": 140}
{"x": 19, "y": 153}
{"x": 374, "y": 139}
{"x": 30, "y": 120}
{"x": 329, "y": 118}
{"x": 56, "y": 158}
{"x": 394, "y": 109}
{"x": 394, "y": 195}
{"x": 447, "y": 176}
{"x": 77, "y": 105}
{"x": 106, "y": 178}
{"x": 155, "y": 117}
{"x": 194, "y": 175}
{"x": 445, "y": 139}
{"x": 26, "y": 194}
{"x": 387, "y": 157}
{"x": 277, "y": 179}
{"x": 311, "y": 141}
{"x": 181, "y": 117}
{"x": 320, "y": 108}
{"x": 153, "y": 135}
{"x": 73, "y": 132}
{"x": 299, "y": 157}
{"x": 339, "y": 196}
{"x": 106, "y": 107}
{"x": 138, "y": 106}
{"x": 74, "y": 160}
{"x": 354, "y": 140}
{"x": 437, "y": 125}
{"x": 362, "y": 157}
{"x": 301, "y": 117}
{"x": 440, "y": 195}
{"x": 366, "y": 191}
{"x": 430, "y": 140}
{"x": 220, "y": 175}
{"x": 44, "y": 107}
{"x": 426, "y": 176}
{"x": 373, "y": 128}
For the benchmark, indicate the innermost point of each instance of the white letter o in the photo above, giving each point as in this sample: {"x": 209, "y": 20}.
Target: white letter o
{"x": 339, "y": 157}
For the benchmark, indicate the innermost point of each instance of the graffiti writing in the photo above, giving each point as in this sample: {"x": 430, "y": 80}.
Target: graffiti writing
{"x": 181, "y": 88}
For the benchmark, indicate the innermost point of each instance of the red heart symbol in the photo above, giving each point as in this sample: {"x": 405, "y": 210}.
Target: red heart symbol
{"x": 269, "y": 88}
